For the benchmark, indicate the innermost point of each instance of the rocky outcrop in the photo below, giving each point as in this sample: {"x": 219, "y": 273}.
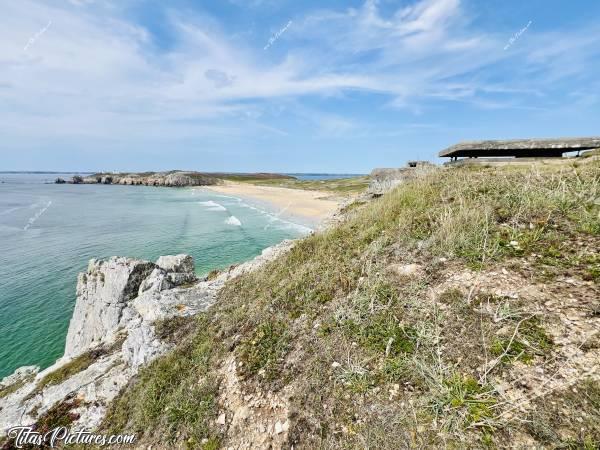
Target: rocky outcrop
{"x": 18, "y": 376}
{"x": 383, "y": 180}
{"x": 112, "y": 334}
{"x": 103, "y": 292}
{"x": 174, "y": 178}
{"x": 169, "y": 179}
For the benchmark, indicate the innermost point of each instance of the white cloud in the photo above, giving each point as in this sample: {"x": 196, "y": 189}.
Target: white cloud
{"x": 98, "y": 75}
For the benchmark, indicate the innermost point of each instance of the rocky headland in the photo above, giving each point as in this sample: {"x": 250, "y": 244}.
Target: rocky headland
{"x": 122, "y": 307}
{"x": 173, "y": 178}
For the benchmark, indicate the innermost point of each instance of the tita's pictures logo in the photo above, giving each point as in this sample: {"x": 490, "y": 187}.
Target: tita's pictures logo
{"x": 36, "y": 36}
{"x": 517, "y": 35}
{"x": 277, "y": 35}
{"x": 26, "y": 436}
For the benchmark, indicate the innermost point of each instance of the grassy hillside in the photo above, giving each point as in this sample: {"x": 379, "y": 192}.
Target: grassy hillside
{"x": 461, "y": 309}
{"x": 342, "y": 186}
{"x": 252, "y": 177}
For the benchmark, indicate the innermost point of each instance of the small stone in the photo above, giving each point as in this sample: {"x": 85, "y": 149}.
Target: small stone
{"x": 406, "y": 270}
{"x": 221, "y": 419}
{"x": 278, "y": 427}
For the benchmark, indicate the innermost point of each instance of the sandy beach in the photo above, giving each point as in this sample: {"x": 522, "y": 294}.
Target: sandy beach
{"x": 309, "y": 207}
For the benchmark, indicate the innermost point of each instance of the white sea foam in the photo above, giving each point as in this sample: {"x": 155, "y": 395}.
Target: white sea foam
{"x": 213, "y": 206}
{"x": 287, "y": 225}
{"x": 228, "y": 196}
{"x": 274, "y": 218}
{"x": 36, "y": 216}
{"x": 232, "y": 220}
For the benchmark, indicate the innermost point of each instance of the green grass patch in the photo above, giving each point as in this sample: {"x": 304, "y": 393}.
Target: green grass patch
{"x": 463, "y": 401}
{"x": 263, "y": 351}
{"x": 383, "y": 335}
{"x": 530, "y": 340}
{"x": 401, "y": 369}
{"x": 353, "y": 185}
{"x": 515, "y": 350}
{"x": 357, "y": 381}
{"x": 591, "y": 266}
{"x": 254, "y": 177}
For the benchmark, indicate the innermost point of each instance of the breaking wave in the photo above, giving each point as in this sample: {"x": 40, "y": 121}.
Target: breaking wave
{"x": 213, "y": 206}
{"x": 276, "y": 219}
{"x": 232, "y": 220}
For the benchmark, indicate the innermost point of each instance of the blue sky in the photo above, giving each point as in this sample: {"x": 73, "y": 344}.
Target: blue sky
{"x": 284, "y": 85}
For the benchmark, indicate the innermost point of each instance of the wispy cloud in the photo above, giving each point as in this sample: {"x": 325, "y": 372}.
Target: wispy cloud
{"x": 102, "y": 74}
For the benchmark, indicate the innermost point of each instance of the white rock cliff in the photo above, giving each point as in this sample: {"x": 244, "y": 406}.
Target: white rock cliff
{"x": 112, "y": 328}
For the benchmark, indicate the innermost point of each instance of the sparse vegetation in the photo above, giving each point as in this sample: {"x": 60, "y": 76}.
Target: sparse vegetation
{"x": 463, "y": 401}
{"x": 530, "y": 339}
{"x": 7, "y": 390}
{"x": 174, "y": 398}
{"x": 59, "y": 415}
{"x": 174, "y": 328}
{"x": 213, "y": 274}
{"x": 574, "y": 411}
{"x": 262, "y": 351}
{"x": 76, "y": 365}
{"x": 342, "y": 186}
{"x": 367, "y": 359}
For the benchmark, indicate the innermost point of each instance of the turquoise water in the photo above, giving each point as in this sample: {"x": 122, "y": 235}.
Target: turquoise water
{"x": 49, "y": 232}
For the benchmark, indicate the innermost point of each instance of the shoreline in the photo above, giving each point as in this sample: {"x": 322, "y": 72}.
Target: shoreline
{"x": 307, "y": 208}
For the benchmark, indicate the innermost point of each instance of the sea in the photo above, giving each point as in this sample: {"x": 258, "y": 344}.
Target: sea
{"x": 49, "y": 232}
